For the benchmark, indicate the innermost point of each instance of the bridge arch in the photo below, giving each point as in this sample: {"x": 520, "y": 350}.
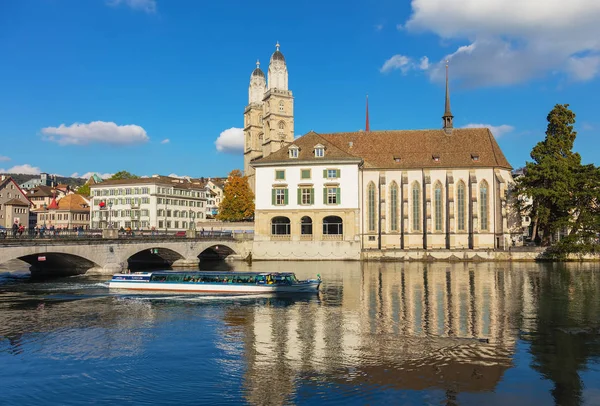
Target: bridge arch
{"x": 216, "y": 252}
{"x": 153, "y": 257}
{"x": 57, "y": 263}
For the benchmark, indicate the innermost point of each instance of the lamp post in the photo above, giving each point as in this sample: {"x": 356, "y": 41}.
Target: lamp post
{"x": 110, "y": 204}
{"x": 45, "y": 213}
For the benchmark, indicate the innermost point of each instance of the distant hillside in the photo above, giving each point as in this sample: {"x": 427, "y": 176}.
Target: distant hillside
{"x": 21, "y": 178}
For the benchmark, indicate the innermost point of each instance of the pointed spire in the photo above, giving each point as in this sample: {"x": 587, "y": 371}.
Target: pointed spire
{"x": 447, "y": 117}
{"x": 367, "y": 127}
{"x": 257, "y": 64}
{"x": 277, "y": 46}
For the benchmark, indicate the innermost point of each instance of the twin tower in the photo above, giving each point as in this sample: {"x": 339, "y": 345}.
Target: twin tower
{"x": 269, "y": 115}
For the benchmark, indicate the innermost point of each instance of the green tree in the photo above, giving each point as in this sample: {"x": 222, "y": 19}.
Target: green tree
{"x": 83, "y": 190}
{"x": 552, "y": 176}
{"x": 238, "y": 199}
{"x": 123, "y": 175}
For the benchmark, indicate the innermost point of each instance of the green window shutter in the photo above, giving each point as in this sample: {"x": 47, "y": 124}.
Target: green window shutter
{"x": 325, "y": 173}
{"x": 285, "y": 196}
{"x": 299, "y": 196}
{"x": 337, "y": 172}
{"x": 337, "y": 195}
{"x": 312, "y": 195}
{"x": 324, "y": 195}
{"x": 273, "y": 197}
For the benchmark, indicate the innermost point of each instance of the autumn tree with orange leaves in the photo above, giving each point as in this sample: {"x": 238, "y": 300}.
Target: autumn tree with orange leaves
{"x": 238, "y": 199}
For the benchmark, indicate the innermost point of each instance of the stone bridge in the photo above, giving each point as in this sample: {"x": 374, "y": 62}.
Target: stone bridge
{"x": 107, "y": 256}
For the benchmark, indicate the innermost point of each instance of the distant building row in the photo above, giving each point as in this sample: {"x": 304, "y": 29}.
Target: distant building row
{"x": 158, "y": 202}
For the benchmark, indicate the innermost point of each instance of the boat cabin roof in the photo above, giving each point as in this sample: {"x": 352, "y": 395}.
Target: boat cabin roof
{"x": 209, "y": 273}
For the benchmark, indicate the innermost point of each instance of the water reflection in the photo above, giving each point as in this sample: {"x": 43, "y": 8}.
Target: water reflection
{"x": 449, "y": 330}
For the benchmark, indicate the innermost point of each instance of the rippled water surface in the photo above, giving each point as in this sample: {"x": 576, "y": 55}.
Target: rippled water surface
{"x": 377, "y": 333}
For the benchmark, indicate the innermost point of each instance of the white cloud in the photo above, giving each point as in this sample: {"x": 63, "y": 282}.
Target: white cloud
{"x": 498, "y": 130}
{"x": 25, "y": 169}
{"x": 231, "y": 141}
{"x": 511, "y": 41}
{"x": 404, "y": 64}
{"x": 96, "y": 132}
{"x": 88, "y": 175}
{"x": 378, "y": 27}
{"x": 148, "y": 6}
{"x": 4, "y": 158}
{"x": 584, "y": 68}
{"x": 397, "y": 62}
{"x": 165, "y": 141}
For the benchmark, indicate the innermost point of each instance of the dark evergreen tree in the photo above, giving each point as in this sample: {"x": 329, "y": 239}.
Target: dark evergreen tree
{"x": 551, "y": 178}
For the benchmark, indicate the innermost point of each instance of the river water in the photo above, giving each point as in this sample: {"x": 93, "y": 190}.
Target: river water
{"x": 376, "y": 333}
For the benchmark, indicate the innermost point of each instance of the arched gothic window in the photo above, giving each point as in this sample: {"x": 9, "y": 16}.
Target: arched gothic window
{"x": 394, "y": 207}
{"x": 460, "y": 206}
{"x": 416, "y": 207}
{"x": 483, "y": 205}
{"x": 371, "y": 206}
{"x": 281, "y": 125}
{"x": 438, "y": 206}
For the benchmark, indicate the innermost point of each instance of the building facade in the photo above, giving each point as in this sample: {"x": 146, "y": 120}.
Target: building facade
{"x": 44, "y": 180}
{"x": 443, "y": 189}
{"x": 159, "y": 202}
{"x": 41, "y": 196}
{"x": 68, "y": 212}
{"x": 14, "y": 204}
{"x": 269, "y": 115}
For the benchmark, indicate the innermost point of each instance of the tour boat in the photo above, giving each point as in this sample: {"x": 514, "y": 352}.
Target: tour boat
{"x": 229, "y": 282}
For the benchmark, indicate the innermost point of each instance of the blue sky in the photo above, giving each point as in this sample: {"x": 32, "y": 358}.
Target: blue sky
{"x": 148, "y": 86}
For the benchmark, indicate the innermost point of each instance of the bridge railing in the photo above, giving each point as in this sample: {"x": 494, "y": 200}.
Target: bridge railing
{"x": 8, "y": 236}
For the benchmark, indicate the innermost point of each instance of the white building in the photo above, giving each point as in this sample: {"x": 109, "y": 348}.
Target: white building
{"x": 159, "y": 202}
{"x": 437, "y": 189}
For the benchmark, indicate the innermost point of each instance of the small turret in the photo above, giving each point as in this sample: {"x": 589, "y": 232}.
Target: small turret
{"x": 258, "y": 85}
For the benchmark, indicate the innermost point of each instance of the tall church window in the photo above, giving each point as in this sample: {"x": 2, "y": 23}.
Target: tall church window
{"x": 460, "y": 206}
{"x": 438, "y": 206}
{"x": 394, "y": 207}
{"x": 371, "y": 206}
{"x": 483, "y": 205}
{"x": 416, "y": 207}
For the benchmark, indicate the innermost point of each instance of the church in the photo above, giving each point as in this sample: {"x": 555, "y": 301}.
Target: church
{"x": 344, "y": 195}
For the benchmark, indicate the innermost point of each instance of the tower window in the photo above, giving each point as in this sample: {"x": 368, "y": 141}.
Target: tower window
{"x": 281, "y": 125}
{"x": 281, "y": 106}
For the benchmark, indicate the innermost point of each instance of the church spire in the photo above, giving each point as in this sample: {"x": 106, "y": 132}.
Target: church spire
{"x": 447, "y": 117}
{"x": 367, "y": 128}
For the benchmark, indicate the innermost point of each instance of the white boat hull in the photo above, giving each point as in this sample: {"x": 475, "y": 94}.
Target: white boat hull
{"x": 306, "y": 287}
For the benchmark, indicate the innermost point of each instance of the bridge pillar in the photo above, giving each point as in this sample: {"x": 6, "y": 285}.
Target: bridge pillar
{"x": 107, "y": 269}
{"x": 111, "y": 233}
{"x": 187, "y": 263}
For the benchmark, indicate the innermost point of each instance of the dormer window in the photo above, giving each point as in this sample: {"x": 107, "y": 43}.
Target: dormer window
{"x": 475, "y": 157}
{"x": 436, "y": 158}
{"x": 319, "y": 151}
{"x": 397, "y": 159}
{"x": 293, "y": 151}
